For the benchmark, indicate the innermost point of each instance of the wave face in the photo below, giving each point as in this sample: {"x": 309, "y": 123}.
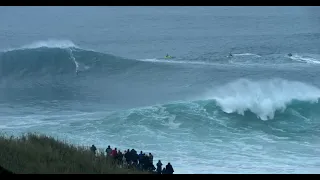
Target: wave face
{"x": 52, "y": 58}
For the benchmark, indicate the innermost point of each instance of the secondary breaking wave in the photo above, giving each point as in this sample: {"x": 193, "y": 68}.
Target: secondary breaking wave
{"x": 243, "y": 99}
{"x": 297, "y": 118}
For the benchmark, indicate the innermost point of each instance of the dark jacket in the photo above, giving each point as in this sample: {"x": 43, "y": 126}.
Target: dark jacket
{"x": 169, "y": 169}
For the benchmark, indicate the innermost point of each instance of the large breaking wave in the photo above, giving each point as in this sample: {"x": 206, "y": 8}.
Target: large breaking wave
{"x": 263, "y": 97}
{"x": 56, "y": 58}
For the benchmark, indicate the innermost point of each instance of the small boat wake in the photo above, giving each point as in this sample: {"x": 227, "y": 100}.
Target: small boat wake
{"x": 310, "y": 59}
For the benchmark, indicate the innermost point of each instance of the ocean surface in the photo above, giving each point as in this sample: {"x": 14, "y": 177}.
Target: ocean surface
{"x": 97, "y": 75}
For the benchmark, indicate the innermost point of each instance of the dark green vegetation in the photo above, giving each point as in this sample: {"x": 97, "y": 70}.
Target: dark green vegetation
{"x": 33, "y": 153}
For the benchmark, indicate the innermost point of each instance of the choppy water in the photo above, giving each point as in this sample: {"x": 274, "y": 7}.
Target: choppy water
{"x": 97, "y": 75}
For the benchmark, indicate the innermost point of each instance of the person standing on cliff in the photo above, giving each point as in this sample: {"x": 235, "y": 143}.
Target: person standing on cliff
{"x": 141, "y": 159}
{"x": 127, "y": 155}
{"x": 108, "y": 151}
{"x": 114, "y": 153}
{"x": 151, "y": 158}
{"x": 159, "y": 167}
{"x": 93, "y": 149}
{"x": 134, "y": 157}
{"x": 169, "y": 169}
{"x": 164, "y": 171}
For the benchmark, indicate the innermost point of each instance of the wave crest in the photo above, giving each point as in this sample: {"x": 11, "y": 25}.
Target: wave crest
{"x": 51, "y": 43}
{"x": 262, "y": 98}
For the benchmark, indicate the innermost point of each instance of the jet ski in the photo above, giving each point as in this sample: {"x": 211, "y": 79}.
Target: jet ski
{"x": 168, "y": 57}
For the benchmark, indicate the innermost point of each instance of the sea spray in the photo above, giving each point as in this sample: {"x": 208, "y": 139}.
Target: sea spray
{"x": 263, "y": 97}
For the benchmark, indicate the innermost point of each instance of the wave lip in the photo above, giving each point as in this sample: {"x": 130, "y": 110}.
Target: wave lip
{"x": 51, "y": 43}
{"x": 63, "y": 44}
{"x": 262, "y": 98}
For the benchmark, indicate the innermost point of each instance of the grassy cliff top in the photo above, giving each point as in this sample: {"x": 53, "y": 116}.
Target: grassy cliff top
{"x": 41, "y": 154}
